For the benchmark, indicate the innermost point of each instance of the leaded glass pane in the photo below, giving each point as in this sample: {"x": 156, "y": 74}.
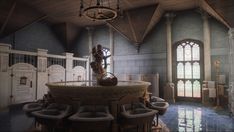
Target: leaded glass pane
{"x": 180, "y": 70}
{"x": 188, "y": 70}
{"x": 188, "y": 67}
{"x": 106, "y": 57}
{"x": 196, "y": 70}
{"x": 180, "y": 88}
{"x": 188, "y": 89}
{"x": 196, "y": 52}
{"x": 196, "y": 89}
{"x": 187, "y": 54}
{"x": 180, "y": 53}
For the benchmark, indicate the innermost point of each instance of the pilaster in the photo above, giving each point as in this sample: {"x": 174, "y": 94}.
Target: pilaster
{"x": 42, "y": 76}
{"x": 4, "y": 75}
{"x": 169, "y": 17}
{"x": 206, "y": 38}
{"x": 111, "y": 34}
{"x": 231, "y": 72}
{"x": 69, "y": 66}
{"x": 169, "y": 88}
{"x": 90, "y": 42}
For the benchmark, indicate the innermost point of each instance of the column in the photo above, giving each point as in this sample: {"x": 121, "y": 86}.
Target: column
{"x": 42, "y": 75}
{"x": 111, "y": 34}
{"x": 169, "y": 45}
{"x": 206, "y": 37}
{"x": 69, "y": 66}
{"x": 90, "y": 43}
{"x": 4, "y": 75}
{"x": 169, "y": 88}
{"x": 231, "y": 72}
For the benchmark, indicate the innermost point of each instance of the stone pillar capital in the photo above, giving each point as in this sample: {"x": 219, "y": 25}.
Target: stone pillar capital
{"x": 68, "y": 55}
{"x": 205, "y": 15}
{"x": 5, "y": 48}
{"x": 231, "y": 33}
{"x": 170, "y": 16}
{"x": 90, "y": 29}
{"x": 42, "y": 52}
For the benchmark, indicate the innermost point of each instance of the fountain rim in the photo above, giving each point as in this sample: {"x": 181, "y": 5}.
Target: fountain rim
{"x": 132, "y": 84}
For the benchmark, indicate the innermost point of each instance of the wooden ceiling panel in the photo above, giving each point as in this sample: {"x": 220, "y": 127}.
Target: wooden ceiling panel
{"x": 67, "y": 11}
{"x": 135, "y": 26}
{"x": 175, "y": 5}
{"x": 140, "y": 20}
{"x": 122, "y": 25}
{"x": 223, "y": 8}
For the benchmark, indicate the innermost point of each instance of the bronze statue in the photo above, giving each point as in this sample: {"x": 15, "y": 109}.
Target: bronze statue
{"x": 99, "y": 70}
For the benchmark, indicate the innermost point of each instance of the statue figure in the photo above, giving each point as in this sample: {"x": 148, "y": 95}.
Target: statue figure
{"x": 99, "y": 70}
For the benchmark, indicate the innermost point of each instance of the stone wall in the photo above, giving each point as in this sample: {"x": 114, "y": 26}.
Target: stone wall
{"x": 152, "y": 56}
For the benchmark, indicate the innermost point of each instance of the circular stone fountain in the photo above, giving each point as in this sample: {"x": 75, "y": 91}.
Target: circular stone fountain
{"x": 89, "y": 89}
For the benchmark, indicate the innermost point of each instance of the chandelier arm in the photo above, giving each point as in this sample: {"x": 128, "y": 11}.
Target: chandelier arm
{"x": 99, "y": 12}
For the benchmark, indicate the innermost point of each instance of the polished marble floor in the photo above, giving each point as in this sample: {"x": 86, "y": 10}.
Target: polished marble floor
{"x": 184, "y": 116}
{"x": 180, "y": 116}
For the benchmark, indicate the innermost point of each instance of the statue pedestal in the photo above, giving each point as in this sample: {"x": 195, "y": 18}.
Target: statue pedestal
{"x": 169, "y": 92}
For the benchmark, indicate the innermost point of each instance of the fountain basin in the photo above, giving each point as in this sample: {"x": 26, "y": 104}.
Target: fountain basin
{"x": 89, "y": 89}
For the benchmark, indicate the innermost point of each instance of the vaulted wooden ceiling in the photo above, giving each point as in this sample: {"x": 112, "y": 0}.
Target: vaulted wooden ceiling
{"x": 64, "y": 17}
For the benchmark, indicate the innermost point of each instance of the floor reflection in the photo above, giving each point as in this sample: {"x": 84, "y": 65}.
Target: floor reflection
{"x": 196, "y": 117}
{"x": 189, "y": 119}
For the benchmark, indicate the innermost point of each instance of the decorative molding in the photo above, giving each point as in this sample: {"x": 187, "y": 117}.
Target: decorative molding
{"x": 42, "y": 64}
{"x": 4, "y": 61}
{"x": 5, "y": 48}
{"x": 231, "y": 33}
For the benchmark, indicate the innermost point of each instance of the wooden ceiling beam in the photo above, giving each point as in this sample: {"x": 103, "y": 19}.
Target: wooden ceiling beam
{"x": 204, "y": 4}
{"x": 8, "y": 17}
{"x": 131, "y": 27}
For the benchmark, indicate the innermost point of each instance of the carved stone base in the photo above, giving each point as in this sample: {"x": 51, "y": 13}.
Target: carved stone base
{"x": 169, "y": 92}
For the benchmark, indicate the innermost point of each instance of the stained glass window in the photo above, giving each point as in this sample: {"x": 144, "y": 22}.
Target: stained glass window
{"x": 106, "y": 58}
{"x": 196, "y": 70}
{"x": 196, "y": 52}
{"x": 187, "y": 54}
{"x": 180, "y": 70}
{"x": 188, "y": 70}
{"x": 180, "y": 53}
{"x": 196, "y": 89}
{"x": 180, "y": 88}
{"x": 188, "y": 89}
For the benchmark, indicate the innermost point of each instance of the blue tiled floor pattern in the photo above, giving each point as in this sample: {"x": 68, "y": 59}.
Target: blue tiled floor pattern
{"x": 179, "y": 117}
{"x": 195, "y": 117}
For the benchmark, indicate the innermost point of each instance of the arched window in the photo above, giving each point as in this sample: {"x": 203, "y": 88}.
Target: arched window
{"x": 188, "y": 68}
{"x": 106, "y": 58}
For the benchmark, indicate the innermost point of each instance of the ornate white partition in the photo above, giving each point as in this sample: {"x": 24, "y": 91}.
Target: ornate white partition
{"x": 56, "y": 73}
{"x": 23, "y": 83}
{"x": 23, "y": 74}
{"x": 79, "y": 73}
